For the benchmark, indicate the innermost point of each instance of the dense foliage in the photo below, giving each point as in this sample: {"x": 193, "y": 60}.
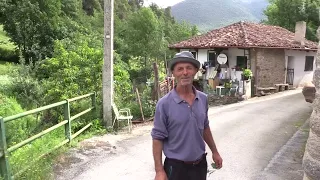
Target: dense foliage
{"x": 59, "y": 47}
{"x": 64, "y": 39}
{"x": 286, "y": 13}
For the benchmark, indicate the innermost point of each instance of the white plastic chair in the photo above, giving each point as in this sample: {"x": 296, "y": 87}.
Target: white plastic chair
{"x": 234, "y": 87}
{"x": 122, "y": 115}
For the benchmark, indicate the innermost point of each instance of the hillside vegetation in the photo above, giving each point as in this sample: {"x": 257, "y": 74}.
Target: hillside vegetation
{"x": 7, "y": 48}
{"x": 211, "y": 14}
{"x": 5, "y": 40}
{"x": 60, "y": 48}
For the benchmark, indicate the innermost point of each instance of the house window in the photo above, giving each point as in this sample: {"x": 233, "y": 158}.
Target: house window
{"x": 241, "y": 63}
{"x": 212, "y": 58}
{"x": 194, "y": 54}
{"x": 309, "y": 63}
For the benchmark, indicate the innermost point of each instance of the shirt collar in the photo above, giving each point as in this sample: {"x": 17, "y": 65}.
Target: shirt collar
{"x": 178, "y": 99}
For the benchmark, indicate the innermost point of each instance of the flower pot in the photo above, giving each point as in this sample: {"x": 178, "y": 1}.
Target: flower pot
{"x": 245, "y": 77}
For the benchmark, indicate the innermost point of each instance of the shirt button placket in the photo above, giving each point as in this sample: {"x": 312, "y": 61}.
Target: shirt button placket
{"x": 189, "y": 108}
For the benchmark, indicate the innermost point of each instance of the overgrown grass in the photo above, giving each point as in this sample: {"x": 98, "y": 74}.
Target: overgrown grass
{"x": 5, "y": 40}
{"x": 4, "y": 80}
{"x": 25, "y": 158}
{"x": 5, "y": 69}
{"x": 44, "y": 168}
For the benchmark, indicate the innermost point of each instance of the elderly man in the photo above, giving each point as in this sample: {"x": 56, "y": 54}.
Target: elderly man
{"x": 181, "y": 126}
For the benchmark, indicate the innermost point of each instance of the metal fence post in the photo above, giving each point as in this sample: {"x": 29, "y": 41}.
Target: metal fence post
{"x": 4, "y": 160}
{"x": 67, "y": 117}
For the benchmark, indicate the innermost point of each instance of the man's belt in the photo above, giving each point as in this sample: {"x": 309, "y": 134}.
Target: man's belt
{"x": 191, "y": 162}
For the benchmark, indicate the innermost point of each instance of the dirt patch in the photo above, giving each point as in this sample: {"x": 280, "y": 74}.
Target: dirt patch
{"x": 91, "y": 149}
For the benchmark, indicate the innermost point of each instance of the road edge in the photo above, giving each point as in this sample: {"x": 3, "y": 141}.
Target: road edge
{"x": 214, "y": 109}
{"x": 284, "y": 150}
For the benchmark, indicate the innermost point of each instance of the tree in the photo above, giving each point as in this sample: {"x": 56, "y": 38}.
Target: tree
{"x": 285, "y": 13}
{"x": 143, "y": 33}
{"x": 33, "y": 25}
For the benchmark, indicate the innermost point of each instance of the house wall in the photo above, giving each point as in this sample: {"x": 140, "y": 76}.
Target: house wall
{"x": 297, "y": 63}
{"x": 203, "y": 55}
{"x": 232, "y": 54}
{"x": 253, "y": 59}
{"x": 270, "y": 64}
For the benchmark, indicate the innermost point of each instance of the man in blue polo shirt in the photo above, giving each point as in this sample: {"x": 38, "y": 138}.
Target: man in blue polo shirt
{"x": 181, "y": 126}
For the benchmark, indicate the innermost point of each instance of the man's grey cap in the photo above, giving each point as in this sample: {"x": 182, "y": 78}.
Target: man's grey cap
{"x": 184, "y": 56}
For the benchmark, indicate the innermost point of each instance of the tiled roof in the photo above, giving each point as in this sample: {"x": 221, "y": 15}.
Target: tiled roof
{"x": 246, "y": 35}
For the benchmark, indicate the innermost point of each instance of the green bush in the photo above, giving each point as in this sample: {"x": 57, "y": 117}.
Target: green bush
{"x": 6, "y": 69}
{"x": 25, "y": 157}
{"x": 148, "y": 105}
{"x": 19, "y": 129}
{"x": 9, "y": 55}
{"x": 24, "y": 87}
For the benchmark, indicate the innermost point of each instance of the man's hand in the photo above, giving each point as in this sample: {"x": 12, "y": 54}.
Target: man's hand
{"x": 161, "y": 175}
{"x": 217, "y": 159}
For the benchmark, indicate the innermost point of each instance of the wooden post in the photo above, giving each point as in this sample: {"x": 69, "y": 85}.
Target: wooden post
{"x": 138, "y": 96}
{"x": 156, "y": 81}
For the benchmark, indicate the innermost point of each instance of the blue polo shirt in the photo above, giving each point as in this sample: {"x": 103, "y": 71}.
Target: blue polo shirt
{"x": 180, "y": 126}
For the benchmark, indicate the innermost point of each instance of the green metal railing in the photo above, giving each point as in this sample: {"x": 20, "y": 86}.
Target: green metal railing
{"x": 5, "y": 151}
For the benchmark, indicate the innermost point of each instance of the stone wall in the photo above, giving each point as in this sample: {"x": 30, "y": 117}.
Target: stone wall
{"x": 270, "y": 67}
{"x": 311, "y": 159}
{"x": 216, "y": 100}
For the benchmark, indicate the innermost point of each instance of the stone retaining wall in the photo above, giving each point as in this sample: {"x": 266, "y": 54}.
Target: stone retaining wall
{"x": 311, "y": 159}
{"x": 216, "y": 100}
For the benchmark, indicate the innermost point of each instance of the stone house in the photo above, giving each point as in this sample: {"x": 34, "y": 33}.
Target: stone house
{"x": 274, "y": 54}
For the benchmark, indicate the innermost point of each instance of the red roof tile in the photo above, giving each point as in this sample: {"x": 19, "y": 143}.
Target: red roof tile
{"x": 246, "y": 35}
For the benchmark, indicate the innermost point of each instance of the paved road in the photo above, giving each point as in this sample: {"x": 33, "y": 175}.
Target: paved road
{"x": 247, "y": 135}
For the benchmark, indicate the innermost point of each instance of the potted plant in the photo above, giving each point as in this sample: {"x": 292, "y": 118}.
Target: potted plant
{"x": 247, "y": 74}
{"x": 227, "y": 85}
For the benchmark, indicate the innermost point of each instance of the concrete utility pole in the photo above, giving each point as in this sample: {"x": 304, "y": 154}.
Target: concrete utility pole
{"x": 311, "y": 159}
{"x": 107, "y": 70}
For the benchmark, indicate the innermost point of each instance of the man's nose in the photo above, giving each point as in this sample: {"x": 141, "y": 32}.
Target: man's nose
{"x": 185, "y": 71}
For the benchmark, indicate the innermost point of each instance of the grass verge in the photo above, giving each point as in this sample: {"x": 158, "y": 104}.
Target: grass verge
{"x": 5, "y": 40}
{"x": 43, "y": 168}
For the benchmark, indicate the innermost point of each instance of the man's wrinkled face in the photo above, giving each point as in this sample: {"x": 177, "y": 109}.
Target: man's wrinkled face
{"x": 184, "y": 73}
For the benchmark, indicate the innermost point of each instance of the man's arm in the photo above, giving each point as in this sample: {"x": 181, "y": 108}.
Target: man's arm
{"x": 207, "y": 136}
{"x": 157, "y": 146}
{"x": 159, "y": 133}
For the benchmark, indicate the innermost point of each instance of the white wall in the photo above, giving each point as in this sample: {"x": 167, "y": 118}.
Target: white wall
{"x": 301, "y": 77}
{"x": 232, "y": 54}
{"x": 203, "y": 55}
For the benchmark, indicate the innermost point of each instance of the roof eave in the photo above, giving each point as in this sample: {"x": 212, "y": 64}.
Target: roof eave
{"x": 261, "y": 47}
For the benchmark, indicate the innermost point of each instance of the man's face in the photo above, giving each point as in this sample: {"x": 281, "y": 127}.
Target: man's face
{"x": 184, "y": 73}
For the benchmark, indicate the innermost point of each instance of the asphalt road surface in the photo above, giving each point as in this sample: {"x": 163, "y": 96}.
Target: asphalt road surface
{"x": 248, "y": 137}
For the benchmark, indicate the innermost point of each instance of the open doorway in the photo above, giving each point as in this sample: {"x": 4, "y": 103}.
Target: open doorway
{"x": 290, "y": 70}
